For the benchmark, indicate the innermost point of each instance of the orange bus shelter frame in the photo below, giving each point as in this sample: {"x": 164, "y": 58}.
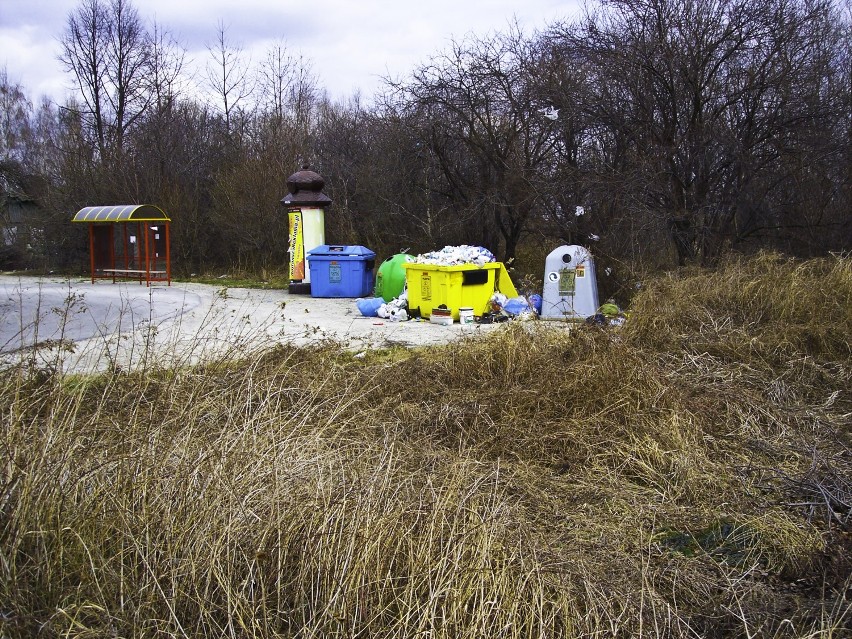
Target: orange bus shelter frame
{"x": 102, "y": 245}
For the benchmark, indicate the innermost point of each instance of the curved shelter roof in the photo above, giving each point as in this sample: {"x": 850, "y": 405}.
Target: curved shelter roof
{"x": 121, "y": 213}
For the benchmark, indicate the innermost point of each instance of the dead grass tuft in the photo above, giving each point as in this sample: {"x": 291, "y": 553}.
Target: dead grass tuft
{"x": 684, "y": 476}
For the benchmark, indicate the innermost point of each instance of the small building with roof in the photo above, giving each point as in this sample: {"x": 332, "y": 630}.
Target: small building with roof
{"x": 128, "y": 241}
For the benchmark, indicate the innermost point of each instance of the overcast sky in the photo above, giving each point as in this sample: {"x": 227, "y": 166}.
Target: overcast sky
{"x": 350, "y": 44}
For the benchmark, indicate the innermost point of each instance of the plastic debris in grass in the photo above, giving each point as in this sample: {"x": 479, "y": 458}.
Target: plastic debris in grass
{"x": 536, "y": 302}
{"x": 608, "y": 314}
{"x": 513, "y": 307}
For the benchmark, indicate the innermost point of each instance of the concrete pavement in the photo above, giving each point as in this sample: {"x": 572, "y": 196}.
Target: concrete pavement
{"x": 83, "y": 327}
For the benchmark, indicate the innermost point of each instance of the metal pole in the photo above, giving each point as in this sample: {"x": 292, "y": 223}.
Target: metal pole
{"x": 111, "y": 228}
{"x": 92, "y": 250}
{"x": 147, "y": 257}
{"x": 168, "y": 256}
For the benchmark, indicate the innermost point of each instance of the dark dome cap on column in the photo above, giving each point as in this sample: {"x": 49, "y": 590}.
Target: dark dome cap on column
{"x": 306, "y": 189}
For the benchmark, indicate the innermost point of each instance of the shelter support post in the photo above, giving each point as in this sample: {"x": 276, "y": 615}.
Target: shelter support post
{"x": 147, "y": 232}
{"x": 92, "y": 250}
{"x": 168, "y": 256}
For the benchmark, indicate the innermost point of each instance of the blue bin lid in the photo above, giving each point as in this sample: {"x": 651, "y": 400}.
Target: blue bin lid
{"x": 339, "y": 250}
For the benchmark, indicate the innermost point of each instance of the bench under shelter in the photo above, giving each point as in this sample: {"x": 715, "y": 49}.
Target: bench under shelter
{"x": 128, "y": 241}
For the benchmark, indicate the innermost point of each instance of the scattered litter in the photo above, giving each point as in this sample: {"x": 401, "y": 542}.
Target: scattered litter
{"x": 397, "y": 314}
{"x": 608, "y": 314}
{"x": 395, "y": 310}
{"x": 513, "y": 307}
{"x": 610, "y": 309}
{"x": 498, "y": 301}
{"x": 518, "y": 307}
{"x": 442, "y": 316}
{"x": 493, "y": 318}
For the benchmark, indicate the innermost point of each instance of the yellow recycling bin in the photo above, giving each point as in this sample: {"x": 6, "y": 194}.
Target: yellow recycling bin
{"x": 431, "y": 286}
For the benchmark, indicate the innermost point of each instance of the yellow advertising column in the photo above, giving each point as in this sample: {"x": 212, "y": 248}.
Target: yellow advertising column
{"x": 313, "y": 225}
{"x": 305, "y": 205}
{"x": 307, "y": 231}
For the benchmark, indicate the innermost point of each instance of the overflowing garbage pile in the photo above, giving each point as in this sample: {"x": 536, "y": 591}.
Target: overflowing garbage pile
{"x": 456, "y": 256}
{"x": 397, "y": 309}
{"x": 499, "y": 308}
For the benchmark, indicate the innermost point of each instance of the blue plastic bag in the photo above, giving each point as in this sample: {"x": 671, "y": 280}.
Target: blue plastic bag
{"x": 369, "y": 306}
{"x": 516, "y": 306}
{"x": 535, "y": 300}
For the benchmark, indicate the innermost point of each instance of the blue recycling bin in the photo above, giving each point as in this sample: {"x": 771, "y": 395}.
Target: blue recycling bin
{"x": 341, "y": 271}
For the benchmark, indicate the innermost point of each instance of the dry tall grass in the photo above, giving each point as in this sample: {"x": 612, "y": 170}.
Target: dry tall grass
{"x": 688, "y": 475}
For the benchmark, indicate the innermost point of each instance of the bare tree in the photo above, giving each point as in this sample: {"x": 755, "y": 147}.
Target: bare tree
{"x": 167, "y": 60}
{"x": 15, "y": 110}
{"x": 156, "y": 141}
{"x": 108, "y": 51}
{"x": 287, "y": 87}
{"x": 480, "y": 115}
{"x": 228, "y": 76}
{"x": 702, "y": 109}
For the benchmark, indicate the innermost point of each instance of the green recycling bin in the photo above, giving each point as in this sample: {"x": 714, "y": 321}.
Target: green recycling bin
{"x": 390, "y": 278}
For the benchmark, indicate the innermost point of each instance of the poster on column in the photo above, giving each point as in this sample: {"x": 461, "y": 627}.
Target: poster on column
{"x": 297, "y": 247}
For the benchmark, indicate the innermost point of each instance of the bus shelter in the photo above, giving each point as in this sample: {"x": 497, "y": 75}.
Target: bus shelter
{"x": 129, "y": 241}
